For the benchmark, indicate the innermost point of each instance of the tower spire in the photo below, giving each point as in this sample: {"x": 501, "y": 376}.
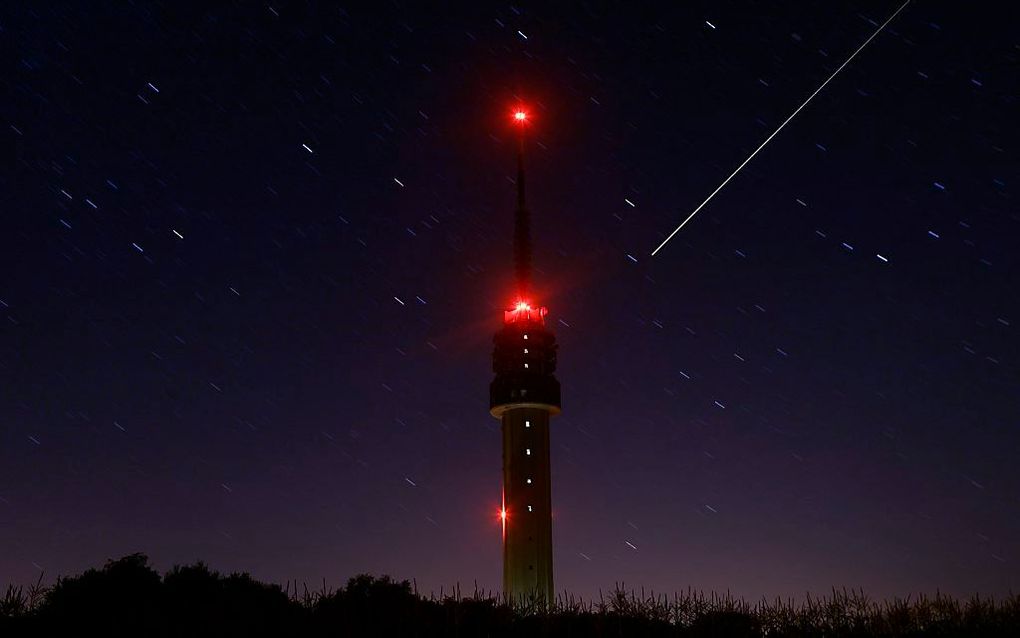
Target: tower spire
{"x": 522, "y": 217}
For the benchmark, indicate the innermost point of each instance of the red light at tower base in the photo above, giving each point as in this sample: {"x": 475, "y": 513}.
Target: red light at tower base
{"x": 502, "y": 513}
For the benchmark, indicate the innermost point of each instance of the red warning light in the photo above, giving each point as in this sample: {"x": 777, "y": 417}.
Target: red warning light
{"x": 520, "y": 116}
{"x": 524, "y": 311}
{"x": 502, "y": 513}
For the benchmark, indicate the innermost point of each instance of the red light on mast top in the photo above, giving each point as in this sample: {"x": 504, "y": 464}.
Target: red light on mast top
{"x": 520, "y": 116}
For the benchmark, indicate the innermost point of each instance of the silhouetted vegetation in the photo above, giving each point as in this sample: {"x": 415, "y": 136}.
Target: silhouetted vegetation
{"x": 128, "y": 597}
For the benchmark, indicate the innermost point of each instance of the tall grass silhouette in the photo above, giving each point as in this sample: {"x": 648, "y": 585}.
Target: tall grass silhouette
{"x": 128, "y": 597}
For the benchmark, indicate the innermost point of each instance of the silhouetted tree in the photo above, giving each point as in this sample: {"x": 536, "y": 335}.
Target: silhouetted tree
{"x": 199, "y": 600}
{"x": 368, "y": 604}
{"x": 121, "y": 598}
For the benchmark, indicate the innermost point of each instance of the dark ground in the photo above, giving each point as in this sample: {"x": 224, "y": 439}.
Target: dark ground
{"x": 128, "y": 597}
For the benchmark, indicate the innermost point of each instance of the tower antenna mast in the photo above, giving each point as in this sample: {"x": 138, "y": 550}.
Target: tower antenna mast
{"x": 522, "y": 217}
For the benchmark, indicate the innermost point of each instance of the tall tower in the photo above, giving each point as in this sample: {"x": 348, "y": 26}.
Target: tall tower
{"x": 523, "y": 396}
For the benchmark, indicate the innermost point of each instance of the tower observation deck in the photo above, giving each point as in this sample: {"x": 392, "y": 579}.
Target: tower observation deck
{"x": 524, "y": 395}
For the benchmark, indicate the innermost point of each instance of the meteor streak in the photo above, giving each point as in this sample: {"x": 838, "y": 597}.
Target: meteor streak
{"x": 785, "y": 122}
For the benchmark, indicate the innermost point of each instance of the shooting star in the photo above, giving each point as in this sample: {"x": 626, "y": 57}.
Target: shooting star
{"x": 785, "y": 122}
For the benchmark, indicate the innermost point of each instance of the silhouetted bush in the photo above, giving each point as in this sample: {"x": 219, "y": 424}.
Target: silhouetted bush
{"x": 368, "y": 605}
{"x": 129, "y": 598}
{"x": 124, "y": 597}
{"x": 198, "y": 600}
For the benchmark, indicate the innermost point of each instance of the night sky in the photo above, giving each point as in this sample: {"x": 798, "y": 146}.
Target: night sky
{"x": 253, "y": 256}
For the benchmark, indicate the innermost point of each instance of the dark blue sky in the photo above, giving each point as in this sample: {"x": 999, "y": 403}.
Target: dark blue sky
{"x": 253, "y": 256}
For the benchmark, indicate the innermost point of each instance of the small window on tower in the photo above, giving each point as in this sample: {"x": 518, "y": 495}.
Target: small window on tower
{"x": 527, "y": 424}
{"x": 525, "y": 337}
{"x": 529, "y": 509}
{"x": 527, "y": 451}
{"x": 529, "y": 481}
{"x": 525, "y": 351}
{"x": 525, "y": 366}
